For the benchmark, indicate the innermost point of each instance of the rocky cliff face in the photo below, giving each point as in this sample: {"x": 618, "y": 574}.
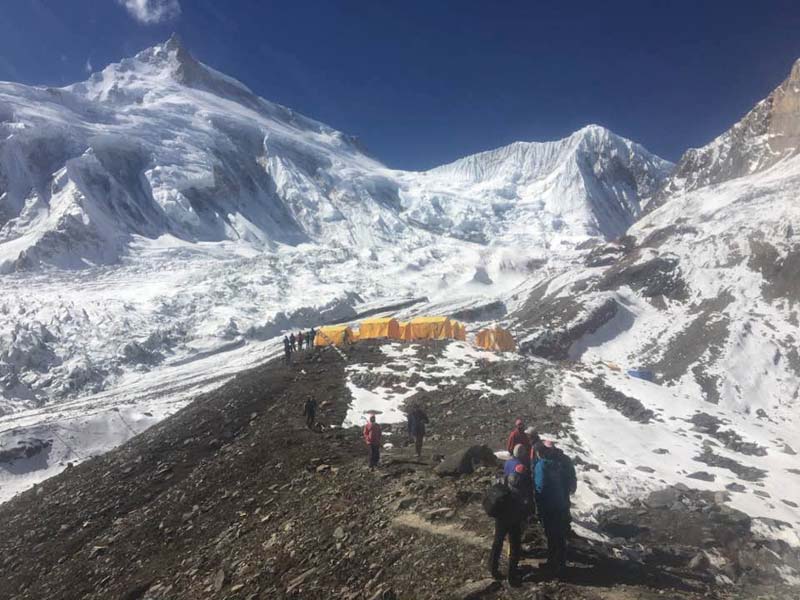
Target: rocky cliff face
{"x": 770, "y": 132}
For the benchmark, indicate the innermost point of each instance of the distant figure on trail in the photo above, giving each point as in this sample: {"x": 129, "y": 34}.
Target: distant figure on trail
{"x": 509, "y": 516}
{"x": 310, "y": 411}
{"x": 310, "y": 339}
{"x": 300, "y": 338}
{"x": 372, "y": 437}
{"x": 417, "y": 420}
{"x": 287, "y": 350}
{"x": 293, "y": 342}
{"x": 518, "y": 436}
{"x": 552, "y": 501}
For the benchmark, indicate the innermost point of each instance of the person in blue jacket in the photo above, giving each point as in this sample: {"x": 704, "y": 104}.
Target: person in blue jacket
{"x": 552, "y": 502}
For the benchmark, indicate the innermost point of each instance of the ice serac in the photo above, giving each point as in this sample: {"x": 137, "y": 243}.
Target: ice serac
{"x": 770, "y": 132}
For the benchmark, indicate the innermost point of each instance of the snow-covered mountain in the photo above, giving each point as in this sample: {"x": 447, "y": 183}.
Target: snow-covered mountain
{"x": 183, "y": 214}
{"x": 590, "y": 184}
{"x": 161, "y": 144}
{"x": 161, "y": 227}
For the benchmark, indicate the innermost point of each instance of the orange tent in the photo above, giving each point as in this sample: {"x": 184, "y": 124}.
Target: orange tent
{"x": 334, "y": 335}
{"x": 429, "y": 328}
{"x": 405, "y": 331}
{"x": 459, "y": 331}
{"x": 496, "y": 338}
{"x": 382, "y": 327}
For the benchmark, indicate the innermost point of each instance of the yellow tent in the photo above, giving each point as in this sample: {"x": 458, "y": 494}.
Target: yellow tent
{"x": 430, "y": 328}
{"x": 459, "y": 331}
{"x": 381, "y": 327}
{"x": 405, "y": 331}
{"x": 333, "y": 335}
{"x": 495, "y": 339}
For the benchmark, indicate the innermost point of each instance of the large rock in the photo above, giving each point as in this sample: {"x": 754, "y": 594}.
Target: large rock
{"x": 464, "y": 461}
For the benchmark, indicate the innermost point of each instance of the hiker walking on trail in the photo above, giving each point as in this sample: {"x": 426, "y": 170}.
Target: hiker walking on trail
{"x": 293, "y": 342}
{"x": 310, "y": 411}
{"x": 287, "y": 350}
{"x": 299, "y": 339}
{"x": 518, "y": 436}
{"x": 372, "y": 437}
{"x": 310, "y": 338}
{"x": 552, "y": 501}
{"x": 417, "y": 420}
{"x": 505, "y": 502}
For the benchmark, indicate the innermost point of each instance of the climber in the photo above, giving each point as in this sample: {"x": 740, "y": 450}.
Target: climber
{"x": 569, "y": 479}
{"x": 310, "y": 411}
{"x": 309, "y": 338}
{"x": 372, "y": 437}
{"x": 508, "y": 523}
{"x": 287, "y": 350}
{"x": 293, "y": 342}
{"x": 552, "y": 502}
{"x": 417, "y": 420}
{"x": 533, "y": 436}
{"x": 517, "y": 465}
{"x": 299, "y": 339}
{"x": 518, "y": 436}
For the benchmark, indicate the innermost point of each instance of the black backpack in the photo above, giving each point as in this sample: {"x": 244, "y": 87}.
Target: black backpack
{"x": 497, "y": 499}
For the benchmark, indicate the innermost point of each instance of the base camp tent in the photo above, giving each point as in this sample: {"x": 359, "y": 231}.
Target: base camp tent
{"x": 333, "y": 335}
{"x": 429, "y": 328}
{"x": 496, "y": 338}
{"x": 405, "y": 330}
{"x": 381, "y": 327}
{"x": 459, "y": 331}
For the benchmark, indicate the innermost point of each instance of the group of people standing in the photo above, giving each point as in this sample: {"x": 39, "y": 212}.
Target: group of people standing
{"x": 294, "y": 343}
{"x": 540, "y": 480}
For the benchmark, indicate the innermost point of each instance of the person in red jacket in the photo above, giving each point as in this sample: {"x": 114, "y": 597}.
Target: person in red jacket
{"x": 372, "y": 437}
{"x": 518, "y": 436}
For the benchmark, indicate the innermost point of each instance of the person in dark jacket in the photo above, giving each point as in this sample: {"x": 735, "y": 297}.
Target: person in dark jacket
{"x": 552, "y": 502}
{"x": 310, "y": 411}
{"x": 417, "y": 420}
{"x": 300, "y": 338}
{"x": 372, "y": 437}
{"x": 287, "y": 350}
{"x": 293, "y": 341}
{"x": 512, "y": 466}
{"x": 309, "y": 339}
{"x": 509, "y": 524}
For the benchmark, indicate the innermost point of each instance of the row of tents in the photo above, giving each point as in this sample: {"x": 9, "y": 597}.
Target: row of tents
{"x": 418, "y": 328}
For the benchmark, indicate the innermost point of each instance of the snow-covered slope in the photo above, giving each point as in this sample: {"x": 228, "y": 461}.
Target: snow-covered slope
{"x": 702, "y": 292}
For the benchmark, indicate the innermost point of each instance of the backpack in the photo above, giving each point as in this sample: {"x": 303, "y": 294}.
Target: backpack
{"x": 497, "y": 499}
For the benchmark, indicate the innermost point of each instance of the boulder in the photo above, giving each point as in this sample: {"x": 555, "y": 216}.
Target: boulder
{"x": 464, "y": 461}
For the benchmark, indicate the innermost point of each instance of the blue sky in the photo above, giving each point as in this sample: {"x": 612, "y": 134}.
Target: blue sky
{"x": 425, "y": 82}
